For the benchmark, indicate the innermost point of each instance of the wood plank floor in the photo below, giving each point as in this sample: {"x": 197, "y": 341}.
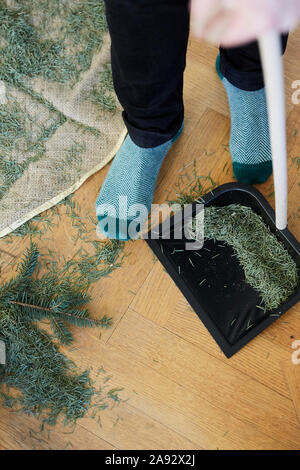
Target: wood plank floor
{"x": 180, "y": 392}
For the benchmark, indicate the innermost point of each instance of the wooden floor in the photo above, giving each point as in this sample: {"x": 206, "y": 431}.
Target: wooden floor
{"x": 180, "y": 392}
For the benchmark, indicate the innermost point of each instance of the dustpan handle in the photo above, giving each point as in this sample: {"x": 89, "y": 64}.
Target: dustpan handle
{"x": 270, "y": 52}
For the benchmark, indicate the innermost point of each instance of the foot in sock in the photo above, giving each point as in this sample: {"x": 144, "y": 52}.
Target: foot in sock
{"x": 249, "y": 145}
{"x": 130, "y": 181}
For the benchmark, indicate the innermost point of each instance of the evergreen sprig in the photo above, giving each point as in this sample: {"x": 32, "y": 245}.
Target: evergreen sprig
{"x": 48, "y": 383}
{"x": 37, "y": 299}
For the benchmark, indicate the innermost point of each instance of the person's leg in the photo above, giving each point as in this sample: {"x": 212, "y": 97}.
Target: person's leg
{"x": 149, "y": 41}
{"x": 241, "y": 73}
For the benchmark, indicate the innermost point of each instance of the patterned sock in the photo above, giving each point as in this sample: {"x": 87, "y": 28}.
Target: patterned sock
{"x": 249, "y": 145}
{"x": 131, "y": 180}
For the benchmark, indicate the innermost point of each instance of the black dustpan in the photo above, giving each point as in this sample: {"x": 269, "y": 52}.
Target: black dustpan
{"x": 225, "y": 303}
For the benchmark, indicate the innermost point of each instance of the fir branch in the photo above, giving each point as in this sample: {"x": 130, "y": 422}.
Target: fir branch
{"x": 48, "y": 383}
{"x": 27, "y": 266}
{"x": 61, "y": 330}
{"x": 78, "y": 317}
{"x": 37, "y": 307}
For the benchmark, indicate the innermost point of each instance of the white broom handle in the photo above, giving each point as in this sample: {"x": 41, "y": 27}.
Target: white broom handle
{"x": 270, "y": 52}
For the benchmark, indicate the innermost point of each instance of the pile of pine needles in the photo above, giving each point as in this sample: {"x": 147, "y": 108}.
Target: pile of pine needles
{"x": 267, "y": 265}
{"x": 55, "y": 39}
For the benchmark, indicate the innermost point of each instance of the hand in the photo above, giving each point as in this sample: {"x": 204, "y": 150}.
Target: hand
{"x": 235, "y": 22}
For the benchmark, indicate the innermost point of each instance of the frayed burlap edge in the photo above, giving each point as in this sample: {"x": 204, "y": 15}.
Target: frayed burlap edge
{"x": 55, "y": 200}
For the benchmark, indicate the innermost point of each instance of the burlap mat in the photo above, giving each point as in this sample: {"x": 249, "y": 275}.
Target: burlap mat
{"x": 56, "y": 132}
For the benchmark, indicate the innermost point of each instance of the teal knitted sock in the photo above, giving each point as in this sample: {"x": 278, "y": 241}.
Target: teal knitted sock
{"x": 249, "y": 145}
{"x": 130, "y": 182}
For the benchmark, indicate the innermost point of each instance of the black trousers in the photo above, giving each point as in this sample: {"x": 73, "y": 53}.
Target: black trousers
{"x": 148, "y": 56}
